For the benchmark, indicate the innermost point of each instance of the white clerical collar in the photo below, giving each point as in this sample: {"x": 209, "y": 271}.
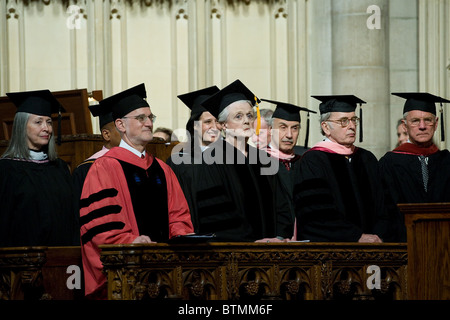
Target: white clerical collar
{"x": 125, "y": 145}
{"x": 38, "y": 155}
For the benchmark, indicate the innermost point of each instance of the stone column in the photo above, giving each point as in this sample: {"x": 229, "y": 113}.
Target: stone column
{"x": 360, "y": 65}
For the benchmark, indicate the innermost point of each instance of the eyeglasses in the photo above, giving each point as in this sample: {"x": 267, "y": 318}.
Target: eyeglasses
{"x": 346, "y": 121}
{"x": 142, "y": 118}
{"x": 415, "y": 122}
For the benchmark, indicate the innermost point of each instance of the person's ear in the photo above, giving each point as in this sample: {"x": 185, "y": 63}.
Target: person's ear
{"x": 106, "y": 134}
{"x": 120, "y": 125}
{"x": 325, "y": 127}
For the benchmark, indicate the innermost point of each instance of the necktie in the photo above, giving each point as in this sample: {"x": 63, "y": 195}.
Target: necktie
{"x": 288, "y": 162}
{"x": 423, "y": 162}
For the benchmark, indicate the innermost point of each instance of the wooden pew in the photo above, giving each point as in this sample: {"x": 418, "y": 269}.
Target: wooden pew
{"x": 216, "y": 271}
{"x": 21, "y": 273}
{"x": 242, "y": 271}
{"x": 40, "y": 273}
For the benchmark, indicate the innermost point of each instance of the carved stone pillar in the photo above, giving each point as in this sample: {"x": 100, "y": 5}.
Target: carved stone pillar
{"x": 361, "y": 65}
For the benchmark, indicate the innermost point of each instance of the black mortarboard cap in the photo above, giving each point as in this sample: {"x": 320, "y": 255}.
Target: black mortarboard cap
{"x": 39, "y": 102}
{"x": 341, "y": 103}
{"x": 104, "y": 115}
{"x": 126, "y": 101}
{"x": 423, "y": 101}
{"x": 290, "y": 112}
{"x": 338, "y": 103}
{"x": 193, "y": 100}
{"x": 420, "y": 101}
{"x": 233, "y": 92}
{"x": 287, "y": 111}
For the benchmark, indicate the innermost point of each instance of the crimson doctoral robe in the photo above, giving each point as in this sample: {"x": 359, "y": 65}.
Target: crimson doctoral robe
{"x": 123, "y": 197}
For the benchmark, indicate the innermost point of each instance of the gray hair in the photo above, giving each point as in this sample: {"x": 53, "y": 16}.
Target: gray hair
{"x": 324, "y": 117}
{"x": 407, "y": 112}
{"x": 18, "y": 145}
{"x": 267, "y": 115}
{"x": 223, "y": 116}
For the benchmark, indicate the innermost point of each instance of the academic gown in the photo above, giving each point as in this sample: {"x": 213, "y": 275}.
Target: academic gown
{"x": 123, "y": 197}
{"x": 402, "y": 177}
{"x": 338, "y": 198}
{"x": 285, "y": 184}
{"x": 227, "y": 194}
{"x": 287, "y": 175}
{"x": 36, "y": 204}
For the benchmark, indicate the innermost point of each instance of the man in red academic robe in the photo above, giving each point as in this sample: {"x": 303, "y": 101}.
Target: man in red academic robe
{"x": 417, "y": 171}
{"x": 128, "y": 196}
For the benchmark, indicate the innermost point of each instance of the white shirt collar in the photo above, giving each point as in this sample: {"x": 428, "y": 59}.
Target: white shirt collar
{"x": 38, "y": 155}
{"x": 125, "y": 145}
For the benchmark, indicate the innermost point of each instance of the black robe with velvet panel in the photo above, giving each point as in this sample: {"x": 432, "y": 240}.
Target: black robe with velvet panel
{"x": 338, "y": 198}
{"x": 228, "y": 195}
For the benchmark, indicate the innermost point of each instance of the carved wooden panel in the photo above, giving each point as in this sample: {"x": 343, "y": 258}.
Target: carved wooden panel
{"x": 39, "y": 273}
{"x": 20, "y": 273}
{"x": 244, "y": 271}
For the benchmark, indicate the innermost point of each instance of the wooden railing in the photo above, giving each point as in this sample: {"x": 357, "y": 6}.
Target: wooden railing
{"x": 40, "y": 273}
{"x": 241, "y": 271}
{"x": 216, "y": 271}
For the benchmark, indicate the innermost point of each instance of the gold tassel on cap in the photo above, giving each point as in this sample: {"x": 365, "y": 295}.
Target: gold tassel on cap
{"x": 258, "y": 118}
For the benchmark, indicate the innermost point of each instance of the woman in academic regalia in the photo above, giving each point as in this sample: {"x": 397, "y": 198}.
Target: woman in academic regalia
{"x": 201, "y": 184}
{"x": 35, "y": 185}
{"x": 248, "y": 173}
